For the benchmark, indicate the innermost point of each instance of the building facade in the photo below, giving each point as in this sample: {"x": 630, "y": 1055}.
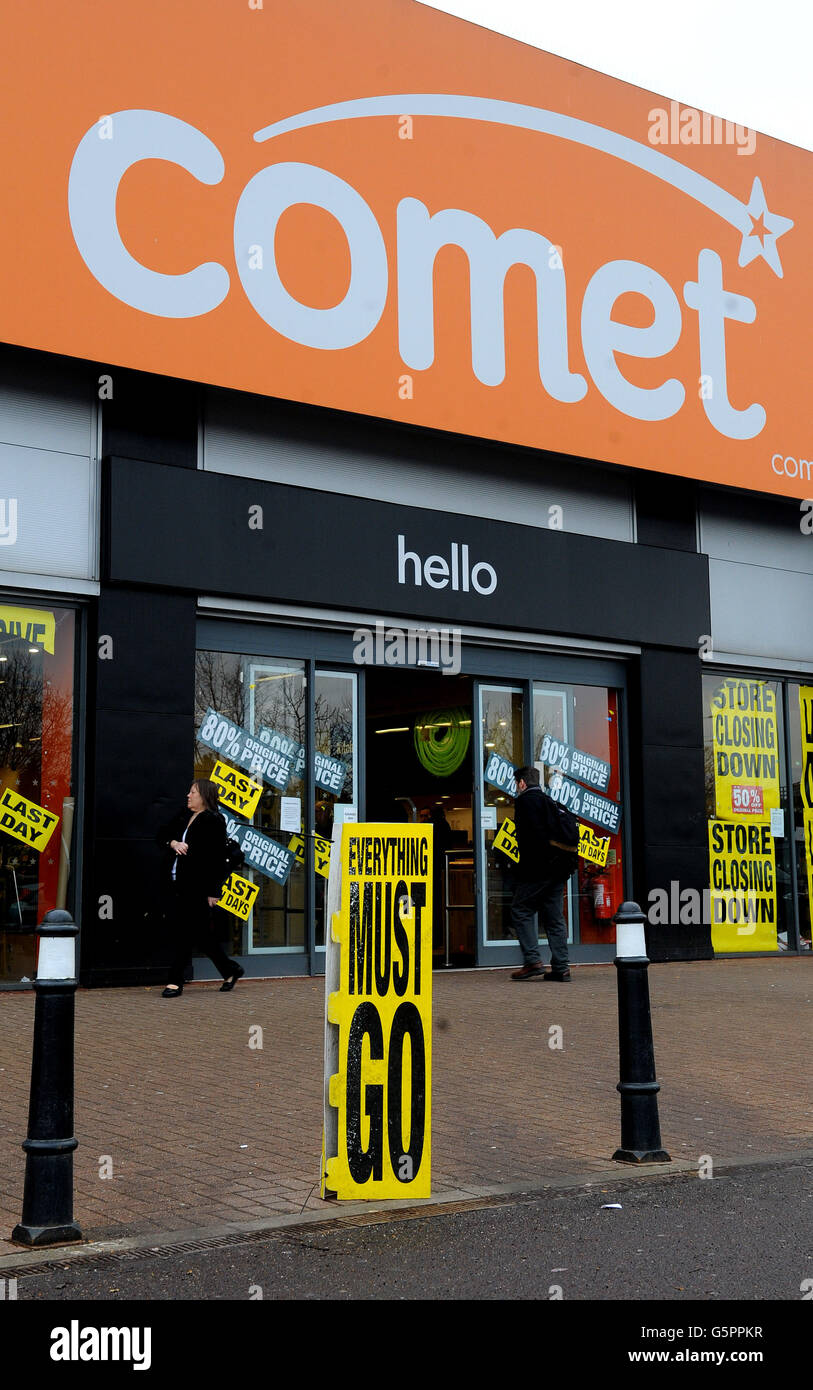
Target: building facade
{"x": 221, "y": 558}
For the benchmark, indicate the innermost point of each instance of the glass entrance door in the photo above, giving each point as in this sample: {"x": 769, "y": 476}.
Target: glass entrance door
{"x": 501, "y": 739}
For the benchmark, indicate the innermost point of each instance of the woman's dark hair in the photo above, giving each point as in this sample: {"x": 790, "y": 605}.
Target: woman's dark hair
{"x": 210, "y": 793}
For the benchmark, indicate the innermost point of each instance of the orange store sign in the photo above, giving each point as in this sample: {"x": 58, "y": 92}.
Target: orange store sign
{"x": 379, "y": 208}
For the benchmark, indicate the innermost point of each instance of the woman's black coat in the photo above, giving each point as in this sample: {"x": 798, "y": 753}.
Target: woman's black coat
{"x": 202, "y": 870}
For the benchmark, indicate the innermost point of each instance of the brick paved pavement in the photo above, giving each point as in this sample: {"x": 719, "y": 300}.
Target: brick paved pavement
{"x": 201, "y": 1129}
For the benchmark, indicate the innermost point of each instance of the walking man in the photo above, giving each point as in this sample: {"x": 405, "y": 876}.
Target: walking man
{"x": 545, "y": 865}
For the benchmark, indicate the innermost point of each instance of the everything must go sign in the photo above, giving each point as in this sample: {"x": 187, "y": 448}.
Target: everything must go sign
{"x": 381, "y": 1013}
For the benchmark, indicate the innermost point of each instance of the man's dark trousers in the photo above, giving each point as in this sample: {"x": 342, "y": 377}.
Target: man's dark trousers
{"x": 546, "y": 898}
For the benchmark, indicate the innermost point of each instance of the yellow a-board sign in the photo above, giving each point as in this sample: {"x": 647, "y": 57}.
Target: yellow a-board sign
{"x": 383, "y": 1012}
{"x": 238, "y": 791}
{"x": 238, "y": 896}
{"x": 743, "y": 886}
{"x": 26, "y": 820}
{"x": 592, "y": 847}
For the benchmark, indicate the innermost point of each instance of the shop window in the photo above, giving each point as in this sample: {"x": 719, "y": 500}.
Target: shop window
{"x": 749, "y": 906}
{"x": 577, "y": 751}
{"x": 502, "y": 712}
{"x": 36, "y": 771}
{"x": 334, "y": 769}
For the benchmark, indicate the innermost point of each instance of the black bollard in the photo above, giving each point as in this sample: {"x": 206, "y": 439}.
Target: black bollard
{"x": 640, "y": 1128}
{"x": 48, "y": 1194}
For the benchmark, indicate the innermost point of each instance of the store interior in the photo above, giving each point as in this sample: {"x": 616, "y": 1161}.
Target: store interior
{"x": 420, "y": 769}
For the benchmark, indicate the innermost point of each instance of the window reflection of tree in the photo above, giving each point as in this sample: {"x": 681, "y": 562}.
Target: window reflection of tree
{"x": 333, "y": 724}
{"x": 280, "y": 705}
{"x": 20, "y": 714}
{"x": 502, "y": 728}
{"x": 218, "y": 685}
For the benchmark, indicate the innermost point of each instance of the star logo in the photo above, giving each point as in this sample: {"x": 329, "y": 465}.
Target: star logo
{"x": 765, "y": 230}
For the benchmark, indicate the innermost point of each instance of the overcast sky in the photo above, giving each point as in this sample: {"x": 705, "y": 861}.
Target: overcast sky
{"x": 750, "y": 61}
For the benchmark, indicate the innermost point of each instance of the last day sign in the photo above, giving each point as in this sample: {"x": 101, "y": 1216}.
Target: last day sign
{"x": 25, "y": 820}
{"x": 383, "y": 1010}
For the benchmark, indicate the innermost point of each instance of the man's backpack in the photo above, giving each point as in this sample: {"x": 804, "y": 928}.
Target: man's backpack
{"x": 567, "y": 832}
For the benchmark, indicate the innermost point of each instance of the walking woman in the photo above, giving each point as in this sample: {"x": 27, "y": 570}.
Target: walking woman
{"x": 197, "y": 839}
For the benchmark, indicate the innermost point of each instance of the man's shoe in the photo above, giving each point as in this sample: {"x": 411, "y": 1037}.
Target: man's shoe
{"x": 562, "y": 976}
{"x": 169, "y": 993}
{"x": 529, "y": 972}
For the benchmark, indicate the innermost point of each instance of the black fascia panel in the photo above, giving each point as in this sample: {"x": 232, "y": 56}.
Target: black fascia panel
{"x": 190, "y": 530}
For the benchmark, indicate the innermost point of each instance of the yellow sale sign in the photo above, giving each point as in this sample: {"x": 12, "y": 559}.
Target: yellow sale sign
{"x": 25, "y": 820}
{"x": 238, "y": 896}
{"x": 592, "y": 847}
{"x": 30, "y": 624}
{"x": 746, "y": 750}
{"x": 238, "y": 791}
{"x": 321, "y": 853}
{"x": 383, "y": 1011}
{"x": 743, "y": 886}
{"x": 808, "y": 834}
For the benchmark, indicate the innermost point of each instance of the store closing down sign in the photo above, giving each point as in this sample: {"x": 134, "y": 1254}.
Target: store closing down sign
{"x": 29, "y": 625}
{"x": 383, "y": 1010}
{"x": 591, "y": 846}
{"x": 238, "y": 896}
{"x": 743, "y": 886}
{"x": 237, "y": 792}
{"x": 248, "y": 235}
{"x": 575, "y": 763}
{"x": 26, "y": 821}
{"x": 746, "y": 749}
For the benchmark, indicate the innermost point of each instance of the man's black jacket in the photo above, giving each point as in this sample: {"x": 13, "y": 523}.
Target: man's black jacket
{"x": 202, "y": 870}
{"x": 537, "y": 823}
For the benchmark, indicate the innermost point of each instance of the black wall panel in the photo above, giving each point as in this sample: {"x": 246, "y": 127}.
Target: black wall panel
{"x": 142, "y": 766}
{"x": 671, "y": 804}
{"x": 151, "y": 417}
{"x": 666, "y": 511}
